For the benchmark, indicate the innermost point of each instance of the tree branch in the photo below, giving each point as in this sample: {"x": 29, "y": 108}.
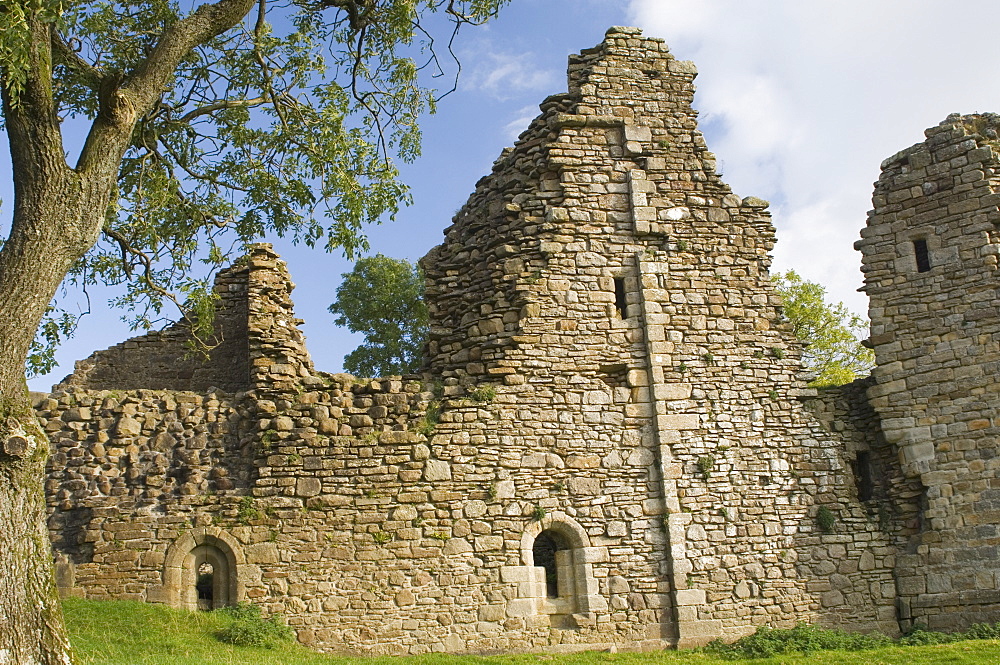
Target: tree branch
{"x": 30, "y": 113}
{"x": 146, "y": 262}
{"x": 122, "y": 105}
{"x": 258, "y": 33}
{"x": 220, "y": 106}
{"x": 65, "y": 54}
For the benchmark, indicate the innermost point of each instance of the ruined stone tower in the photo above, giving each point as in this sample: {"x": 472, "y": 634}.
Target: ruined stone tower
{"x": 930, "y": 253}
{"x": 619, "y": 290}
{"x": 610, "y": 443}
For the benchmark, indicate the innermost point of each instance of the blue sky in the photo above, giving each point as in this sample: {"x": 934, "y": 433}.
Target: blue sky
{"x": 800, "y": 101}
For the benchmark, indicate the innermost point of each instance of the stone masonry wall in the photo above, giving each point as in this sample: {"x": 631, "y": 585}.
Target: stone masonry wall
{"x": 612, "y": 193}
{"x": 164, "y": 359}
{"x": 935, "y": 333}
{"x": 131, "y": 471}
{"x": 611, "y": 442}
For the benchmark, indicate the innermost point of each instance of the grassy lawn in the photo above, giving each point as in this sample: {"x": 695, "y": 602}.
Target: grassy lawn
{"x": 127, "y": 633}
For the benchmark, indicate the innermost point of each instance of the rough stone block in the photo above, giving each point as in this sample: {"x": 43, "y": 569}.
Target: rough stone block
{"x": 672, "y": 391}
{"x": 638, "y": 133}
{"x": 616, "y": 529}
{"x": 308, "y": 486}
{"x": 262, "y": 553}
{"x": 436, "y": 470}
{"x": 488, "y": 543}
{"x": 594, "y": 554}
{"x": 683, "y": 421}
{"x": 128, "y": 427}
{"x": 520, "y": 607}
{"x": 511, "y": 574}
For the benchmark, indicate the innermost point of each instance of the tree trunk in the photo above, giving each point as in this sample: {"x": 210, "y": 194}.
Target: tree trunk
{"x": 56, "y": 219}
{"x": 30, "y": 612}
{"x": 33, "y": 262}
{"x": 58, "y": 215}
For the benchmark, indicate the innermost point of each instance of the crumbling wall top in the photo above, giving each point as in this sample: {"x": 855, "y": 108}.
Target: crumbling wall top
{"x": 257, "y": 342}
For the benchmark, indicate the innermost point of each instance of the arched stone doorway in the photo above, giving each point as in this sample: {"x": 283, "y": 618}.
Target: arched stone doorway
{"x": 208, "y": 580}
{"x": 205, "y": 586}
{"x": 201, "y": 570}
{"x": 551, "y": 552}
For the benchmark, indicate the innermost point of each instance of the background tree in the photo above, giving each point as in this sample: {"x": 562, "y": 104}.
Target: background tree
{"x": 832, "y": 333}
{"x": 207, "y": 126}
{"x": 383, "y": 298}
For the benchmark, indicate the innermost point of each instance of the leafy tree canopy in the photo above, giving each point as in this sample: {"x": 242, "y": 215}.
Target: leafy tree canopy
{"x": 285, "y": 121}
{"x": 832, "y": 333}
{"x": 383, "y": 298}
{"x": 207, "y": 124}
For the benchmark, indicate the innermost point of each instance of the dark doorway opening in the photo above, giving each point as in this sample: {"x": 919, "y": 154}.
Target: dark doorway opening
{"x": 205, "y": 586}
{"x": 862, "y": 468}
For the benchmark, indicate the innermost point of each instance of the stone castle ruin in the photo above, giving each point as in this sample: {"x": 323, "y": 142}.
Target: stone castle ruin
{"x": 611, "y": 443}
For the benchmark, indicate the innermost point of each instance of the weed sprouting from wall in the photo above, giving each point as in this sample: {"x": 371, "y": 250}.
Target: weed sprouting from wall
{"x": 705, "y": 464}
{"x": 825, "y": 519}
{"x": 247, "y": 511}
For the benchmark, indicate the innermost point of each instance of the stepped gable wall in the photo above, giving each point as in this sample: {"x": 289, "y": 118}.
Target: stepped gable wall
{"x": 612, "y": 442}
{"x": 604, "y": 256}
{"x": 930, "y": 258}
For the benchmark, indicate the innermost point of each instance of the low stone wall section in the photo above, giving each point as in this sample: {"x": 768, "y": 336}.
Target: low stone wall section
{"x": 129, "y": 472}
{"x": 167, "y": 360}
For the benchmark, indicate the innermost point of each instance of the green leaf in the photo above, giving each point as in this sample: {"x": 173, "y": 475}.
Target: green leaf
{"x": 831, "y": 333}
{"x": 383, "y": 299}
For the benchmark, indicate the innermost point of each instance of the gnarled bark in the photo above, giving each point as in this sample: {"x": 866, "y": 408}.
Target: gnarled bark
{"x": 30, "y": 612}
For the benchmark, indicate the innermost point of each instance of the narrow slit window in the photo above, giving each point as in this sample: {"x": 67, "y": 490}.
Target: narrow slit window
{"x": 620, "y": 304}
{"x": 922, "y": 255}
{"x": 863, "y": 475}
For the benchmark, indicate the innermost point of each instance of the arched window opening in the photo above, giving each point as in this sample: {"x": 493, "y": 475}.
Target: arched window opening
{"x": 212, "y": 578}
{"x": 204, "y": 585}
{"x": 556, "y": 578}
{"x": 544, "y": 552}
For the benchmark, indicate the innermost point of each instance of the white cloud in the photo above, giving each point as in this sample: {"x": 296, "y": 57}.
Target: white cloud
{"x": 505, "y": 75}
{"x": 802, "y": 100}
{"x": 522, "y": 118}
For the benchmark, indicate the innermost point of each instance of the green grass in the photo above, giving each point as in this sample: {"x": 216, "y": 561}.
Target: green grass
{"x": 129, "y": 633}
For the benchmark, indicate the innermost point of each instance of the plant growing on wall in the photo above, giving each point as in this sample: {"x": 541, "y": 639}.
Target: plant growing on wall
{"x": 825, "y": 519}
{"x": 704, "y": 465}
{"x": 247, "y": 510}
{"x": 485, "y": 393}
{"x": 429, "y": 422}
